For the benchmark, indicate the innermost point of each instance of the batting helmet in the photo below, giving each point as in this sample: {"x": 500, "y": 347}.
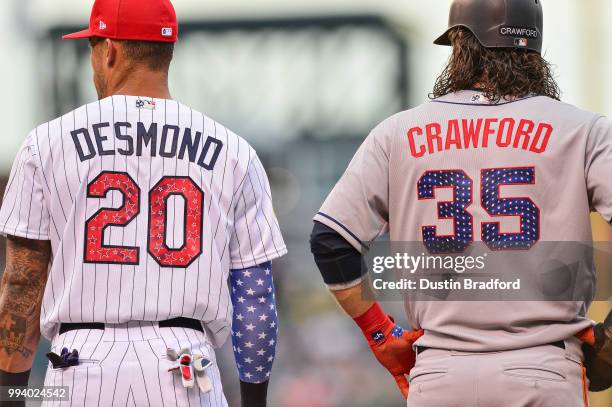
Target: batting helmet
{"x": 499, "y": 23}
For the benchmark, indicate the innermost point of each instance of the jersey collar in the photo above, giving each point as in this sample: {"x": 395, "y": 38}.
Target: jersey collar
{"x": 473, "y": 97}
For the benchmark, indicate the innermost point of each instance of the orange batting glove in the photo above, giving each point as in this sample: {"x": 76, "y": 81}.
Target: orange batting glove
{"x": 587, "y": 336}
{"x": 391, "y": 345}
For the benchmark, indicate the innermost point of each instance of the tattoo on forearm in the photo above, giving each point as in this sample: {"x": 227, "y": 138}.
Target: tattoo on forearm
{"x": 21, "y": 292}
{"x": 13, "y": 334}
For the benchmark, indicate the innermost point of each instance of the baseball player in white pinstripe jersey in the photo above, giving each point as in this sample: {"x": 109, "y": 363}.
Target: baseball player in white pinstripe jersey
{"x": 140, "y": 234}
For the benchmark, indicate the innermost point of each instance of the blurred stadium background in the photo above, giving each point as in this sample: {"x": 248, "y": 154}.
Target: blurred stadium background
{"x": 304, "y": 82}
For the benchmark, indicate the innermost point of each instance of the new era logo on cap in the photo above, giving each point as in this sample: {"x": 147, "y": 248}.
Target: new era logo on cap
{"x": 102, "y": 25}
{"x": 167, "y": 32}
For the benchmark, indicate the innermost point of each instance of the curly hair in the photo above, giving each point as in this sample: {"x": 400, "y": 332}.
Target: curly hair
{"x": 500, "y": 73}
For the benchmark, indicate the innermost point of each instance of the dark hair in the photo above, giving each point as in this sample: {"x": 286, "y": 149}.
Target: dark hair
{"x": 499, "y": 72}
{"x": 155, "y": 55}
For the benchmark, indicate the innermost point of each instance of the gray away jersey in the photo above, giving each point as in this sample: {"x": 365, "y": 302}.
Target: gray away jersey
{"x": 458, "y": 169}
{"x": 148, "y": 204}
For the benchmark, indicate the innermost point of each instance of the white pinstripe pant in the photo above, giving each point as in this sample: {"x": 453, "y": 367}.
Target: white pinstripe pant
{"x": 126, "y": 365}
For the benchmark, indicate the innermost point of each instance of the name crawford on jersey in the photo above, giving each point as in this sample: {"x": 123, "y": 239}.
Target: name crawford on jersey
{"x": 167, "y": 141}
{"x": 480, "y": 133}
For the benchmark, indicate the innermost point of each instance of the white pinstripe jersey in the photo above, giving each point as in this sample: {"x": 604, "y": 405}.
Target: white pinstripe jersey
{"x": 148, "y": 204}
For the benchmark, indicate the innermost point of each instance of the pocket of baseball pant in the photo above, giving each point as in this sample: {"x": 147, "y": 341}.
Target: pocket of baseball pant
{"x": 426, "y": 375}
{"x": 537, "y": 372}
{"x": 78, "y": 382}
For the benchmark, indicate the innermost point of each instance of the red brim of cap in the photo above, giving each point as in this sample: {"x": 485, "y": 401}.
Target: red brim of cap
{"x": 79, "y": 34}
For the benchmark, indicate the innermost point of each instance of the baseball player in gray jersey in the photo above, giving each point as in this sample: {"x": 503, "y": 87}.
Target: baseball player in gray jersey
{"x": 140, "y": 235}
{"x": 496, "y": 135}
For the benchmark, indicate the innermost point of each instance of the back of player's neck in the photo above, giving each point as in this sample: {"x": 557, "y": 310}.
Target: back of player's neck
{"x": 150, "y": 85}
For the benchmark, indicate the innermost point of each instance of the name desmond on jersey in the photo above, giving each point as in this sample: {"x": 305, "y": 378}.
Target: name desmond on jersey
{"x": 481, "y": 133}
{"x": 172, "y": 142}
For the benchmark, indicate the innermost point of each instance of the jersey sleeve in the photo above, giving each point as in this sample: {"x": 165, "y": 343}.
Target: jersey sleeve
{"x": 256, "y": 237}
{"x": 24, "y": 212}
{"x": 599, "y": 167}
{"x": 358, "y": 206}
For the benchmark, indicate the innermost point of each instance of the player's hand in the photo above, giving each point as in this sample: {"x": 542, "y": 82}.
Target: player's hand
{"x": 599, "y": 339}
{"x": 597, "y": 348}
{"x": 391, "y": 344}
{"x": 395, "y": 353}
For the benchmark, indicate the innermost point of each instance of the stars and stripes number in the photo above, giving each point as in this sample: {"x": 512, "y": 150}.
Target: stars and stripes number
{"x": 463, "y": 222}
{"x": 97, "y": 252}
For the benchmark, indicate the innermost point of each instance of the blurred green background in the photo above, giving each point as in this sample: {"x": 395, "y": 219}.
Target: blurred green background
{"x": 304, "y": 82}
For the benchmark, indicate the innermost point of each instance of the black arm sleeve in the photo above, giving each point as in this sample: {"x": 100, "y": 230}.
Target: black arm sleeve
{"x": 338, "y": 261}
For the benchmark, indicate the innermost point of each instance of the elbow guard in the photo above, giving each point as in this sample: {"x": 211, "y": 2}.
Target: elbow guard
{"x": 338, "y": 261}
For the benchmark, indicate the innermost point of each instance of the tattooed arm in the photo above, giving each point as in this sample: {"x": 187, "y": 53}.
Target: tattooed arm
{"x": 21, "y": 291}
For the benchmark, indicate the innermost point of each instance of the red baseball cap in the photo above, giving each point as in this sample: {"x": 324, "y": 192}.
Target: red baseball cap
{"x": 142, "y": 20}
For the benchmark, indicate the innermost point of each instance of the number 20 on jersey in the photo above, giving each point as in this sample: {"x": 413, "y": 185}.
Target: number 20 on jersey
{"x": 97, "y": 252}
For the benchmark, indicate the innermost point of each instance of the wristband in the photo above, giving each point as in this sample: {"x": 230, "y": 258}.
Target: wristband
{"x": 14, "y": 379}
{"x": 253, "y": 394}
{"x": 375, "y": 324}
